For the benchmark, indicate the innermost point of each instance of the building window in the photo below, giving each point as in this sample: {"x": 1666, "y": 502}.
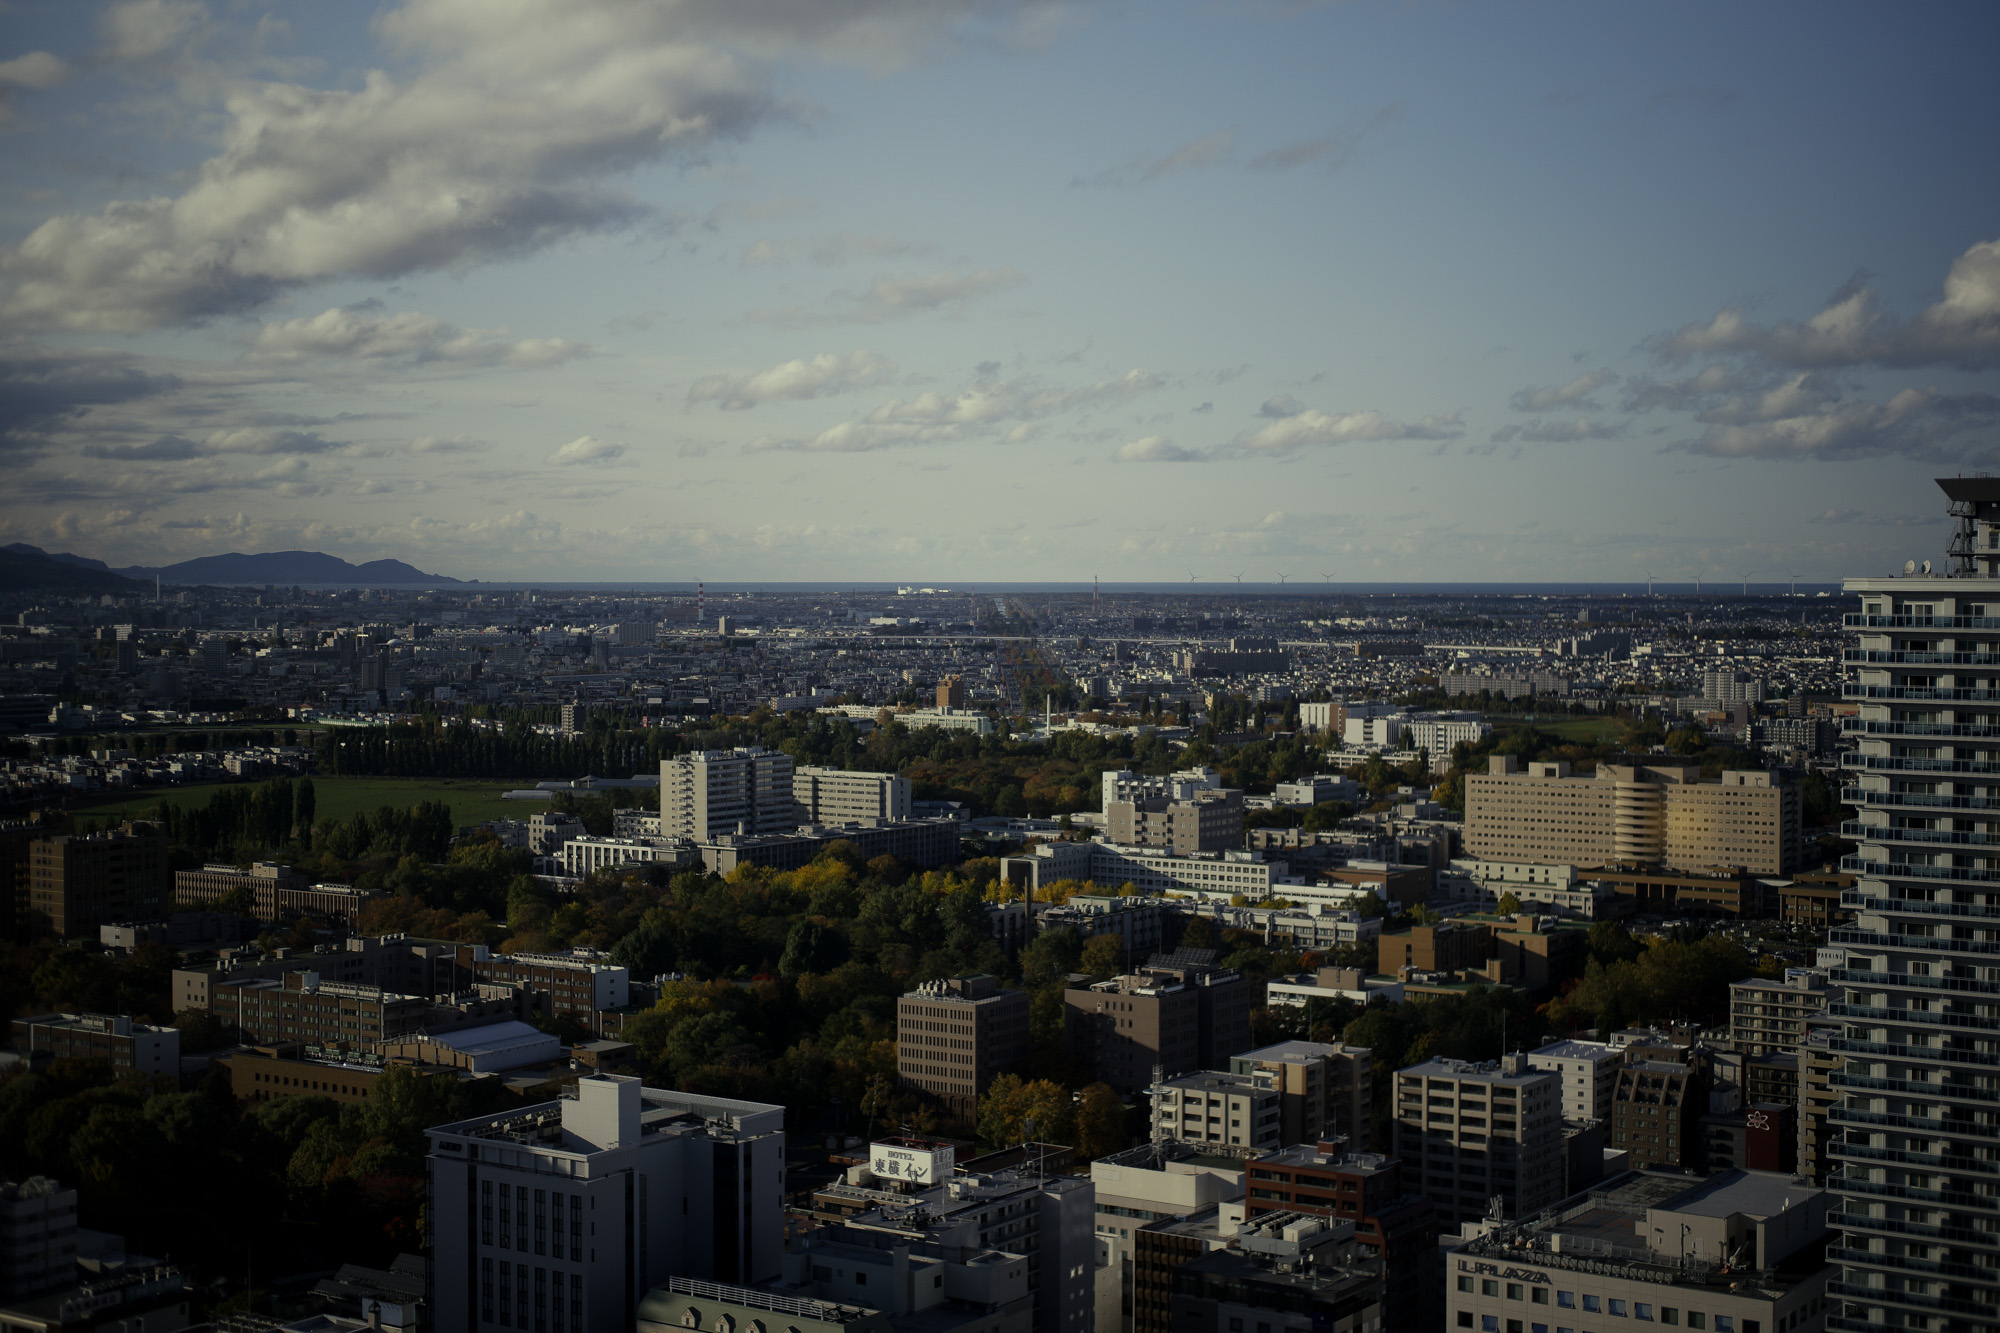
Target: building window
{"x": 506, "y": 1293}
{"x": 1669, "y": 1315}
{"x": 1514, "y": 1291}
{"x": 1489, "y": 1323}
{"x": 1591, "y": 1304}
{"x": 1539, "y": 1296}
{"x": 576, "y": 1227}
{"x": 542, "y": 1222}
{"x": 1566, "y": 1299}
{"x": 1696, "y": 1319}
{"x": 1725, "y": 1323}
{"x": 541, "y": 1298}
{"x": 1642, "y": 1310}
{"x": 486, "y": 1218}
{"x": 521, "y": 1292}
{"x": 1617, "y": 1307}
{"x": 1488, "y": 1287}
{"x": 486, "y": 1291}
{"x": 576, "y": 1300}
{"x": 1465, "y": 1319}
{"x": 1464, "y": 1283}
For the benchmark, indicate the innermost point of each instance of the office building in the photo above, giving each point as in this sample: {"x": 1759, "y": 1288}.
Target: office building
{"x": 893, "y": 1293}
{"x": 955, "y": 1036}
{"x": 1469, "y": 1134}
{"x": 1392, "y": 1224}
{"x": 575, "y": 1209}
{"x": 1178, "y": 1013}
{"x": 128, "y": 1047}
{"x": 1589, "y": 1073}
{"x": 1657, "y": 1106}
{"x": 1319, "y": 788}
{"x": 837, "y": 796}
{"x": 1438, "y": 737}
{"x": 80, "y": 882}
{"x": 919, "y": 842}
{"x": 299, "y": 1007}
{"x": 1740, "y": 1252}
{"x": 1232, "y": 1112}
{"x": 1326, "y": 1090}
{"x": 587, "y": 855}
{"x": 1912, "y": 1142}
{"x": 548, "y": 830}
{"x": 1639, "y": 813}
{"x": 1211, "y": 876}
{"x": 256, "y": 887}
{"x": 1449, "y": 946}
{"x": 709, "y": 793}
{"x": 1183, "y": 785}
{"x": 1768, "y": 1017}
{"x": 577, "y": 983}
{"x": 1209, "y": 822}
{"x": 37, "y": 1237}
{"x": 1153, "y": 1182}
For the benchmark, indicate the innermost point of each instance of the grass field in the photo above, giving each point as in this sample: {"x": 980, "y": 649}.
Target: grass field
{"x": 339, "y": 798}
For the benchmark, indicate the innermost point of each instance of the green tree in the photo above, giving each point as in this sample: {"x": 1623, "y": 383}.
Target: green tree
{"x": 1103, "y": 956}
{"x": 1509, "y": 904}
{"x": 1014, "y": 1107}
{"x": 1100, "y": 1122}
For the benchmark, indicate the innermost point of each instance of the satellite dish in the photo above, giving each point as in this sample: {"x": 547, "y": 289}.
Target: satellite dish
{"x": 1909, "y": 566}
{"x": 1927, "y": 566}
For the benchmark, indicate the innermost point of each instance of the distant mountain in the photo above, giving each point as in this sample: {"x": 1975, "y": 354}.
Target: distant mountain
{"x": 286, "y": 567}
{"x": 22, "y": 548}
{"x": 24, "y": 567}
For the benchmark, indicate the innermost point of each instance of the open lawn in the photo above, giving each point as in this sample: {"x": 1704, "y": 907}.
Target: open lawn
{"x": 339, "y": 798}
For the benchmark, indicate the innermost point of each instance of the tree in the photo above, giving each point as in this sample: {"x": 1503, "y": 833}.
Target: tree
{"x": 1198, "y": 933}
{"x": 1509, "y": 904}
{"x": 1010, "y": 1105}
{"x": 1100, "y": 1122}
{"x": 1103, "y": 956}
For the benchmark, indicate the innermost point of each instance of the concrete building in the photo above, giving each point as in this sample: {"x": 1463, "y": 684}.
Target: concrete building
{"x": 1589, "y": 1073}
{"x": 1150, "y": 1183}
{"x": 1209, "y": 822}
{"x": 1469, "y": 1134}
{"x": 1326, "y": 1090}
{"x": 1138, "y": 922}
{"x": 1229, "y": 1112}
{"x": 1656, "y": 1110}
{"x": 1179, "y": 1012}
{"x": 709, "y": 793}
{"x": 37, "y": 1237}
{"x": 129, "y": 1047}
{"x": 1817, "y": 1097}
{"x": 1182, "y": 785}
{"x": 578, "y": 983}
{"x": 1739, "y": 1252}
{"x": 919, "y": 842}
{"x": 583, "y": 856}
{"x": 300, "y": 1007}
{"x": 575, "y": 1209}
{"x": 951, "y": 692}
{"x": 955, "y": 1036}
{"x": 78, "y": 883}
{"x": 1393, "y": 1225}
{"x": 1767, "y": 1017}
{"x": 1211, "y": 876}
{"x": 837, "y": 796}
{"x": 1640, "y": 813}
{"x": 1273, "y": 1273}
{"x": 259, "y": 885}
{"x": 1298, "y": 990}
{"x": 1449, "y": 946}
{"x": 1438, "y": 737}
{"x": 1912, "y": 1140}
{"x": 548, "y": 830}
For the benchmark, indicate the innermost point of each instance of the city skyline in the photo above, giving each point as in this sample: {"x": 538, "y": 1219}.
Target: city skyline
{"x": 596, "y": 292}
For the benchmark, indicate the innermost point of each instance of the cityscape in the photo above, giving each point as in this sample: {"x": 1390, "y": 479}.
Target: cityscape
{"x": 617, "y": 714}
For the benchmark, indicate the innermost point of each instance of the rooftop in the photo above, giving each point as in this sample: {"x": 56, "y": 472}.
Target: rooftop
{"x": 1484, "y": 1071}
{"x": 1312, "y": 1154}
{"x": 1299, "y": 1051}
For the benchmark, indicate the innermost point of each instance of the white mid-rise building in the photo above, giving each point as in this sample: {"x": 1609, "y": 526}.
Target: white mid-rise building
{"x": 581, "y": 856}
{"x": 1238, "y": 1111}
{"x": 1589, "y": 1073}
{"x": 1151, "y": 1183}
{"x": 838, "y": 796}
{"x": 1185, "y": 785}
{"x": 708, "y": 794}
{"x": 561, "y": 1216}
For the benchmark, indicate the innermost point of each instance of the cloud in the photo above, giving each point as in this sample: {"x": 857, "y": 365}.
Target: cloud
{"x": 35, "y": 72}
{"x": 1918, "y": 423}
{"x": 243, "y": 440}
{"x": 142, "y": 31}
{"x": 1574, "y": 394}
{"x": 889, "y": 298}
{"x": 1960, "y": 330}
{"x": 1330, "y": 151}
{"x": 1155, "y": 449}
{"x": 847, "y": 247}
{"x": 989, "y": 409}
{"x": 1284, "y": 405}
{"x": 39, "y": 388}
{"x": 767, "y": 252}
{"x": 1682, "y": 395}
{"x": 587, "y": 451}
{"x": 1310, "y": 428}
{"x": 827, "y": 373}
{"x": 1571, "y": 432}
{"x": 411, "y": 336}
{"x": 1208, "y": 151}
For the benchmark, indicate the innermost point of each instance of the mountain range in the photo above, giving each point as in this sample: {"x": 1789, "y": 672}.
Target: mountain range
{"x": 30, "y": 565}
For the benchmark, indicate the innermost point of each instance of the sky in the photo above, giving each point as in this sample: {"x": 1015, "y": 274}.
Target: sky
{"x": 950, "y": 290}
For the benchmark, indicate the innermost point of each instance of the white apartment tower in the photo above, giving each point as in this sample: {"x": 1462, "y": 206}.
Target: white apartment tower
{"x": 839, "y": 796}
{"x": 1914, "y": 1151}
{"x": 559, "y": 1217}
{"x": 707, "y": 794}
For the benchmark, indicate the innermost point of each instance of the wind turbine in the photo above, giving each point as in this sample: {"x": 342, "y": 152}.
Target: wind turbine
{"x": 1281, "y": 579}
{"x": 1192, "y": 576}
{"x": 1795, "y": 585}
{"x": 1697, "y": 583}
{"x": 1746, "y": 585}
{"x": 1649, "y": 585}
{"x": 1327, "y": 577}
{"x": 1238, "y": 578}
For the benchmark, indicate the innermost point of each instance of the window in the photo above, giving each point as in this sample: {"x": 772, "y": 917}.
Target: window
{"x": 1591, "y": 1304}
{"x": 486, "y": 1290}
{"x": 1696, "y": 1319}
{"x": 1669, "y": 1315}
{"x": 1236, "y": 1326}
{"x": 1752, "y": 1326}
{"x": 506, "y": 1293}
{"x": 486, "y": 1220}
{"x": 1642, "y": 1310}
{"x": 860, "y": 1278}
{"x": 1513, "y": 1326}
{"x": 1617, "y": 1307}
{"x": 1488, "y": 1287}
{"x": 1566, "y": 1299}
{"x": 1514, "y": 1291}
{"x": 1539, "y": 1295}
{"x": 1538, "y": 1328}
{"x": 1489, "y": 1323}
{"x": 1464, "y": 1282}
{"x": 1465, "y": 1319}
{"x": 1725, "y": 1323}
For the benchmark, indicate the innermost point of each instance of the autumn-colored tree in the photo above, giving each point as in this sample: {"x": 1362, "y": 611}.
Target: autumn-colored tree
{"x": 1100, "y": 1122}
{"x": 1014, "y": 1108}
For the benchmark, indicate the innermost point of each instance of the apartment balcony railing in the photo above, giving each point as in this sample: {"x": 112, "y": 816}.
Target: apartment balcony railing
{"x": 1858, "y": 976}
{"x": 1916, "y": 1017}
{"x": 1901, "y": 1263}
{"x": 1902, "y": 763}
{"x": 1914, "y": 800}
{"x": 1862, "y": 1152}
{"x": 1875, "y": 1189}
{"x": 1840, "y": 1220}
{"x": 1865, "y": 832}
{"x": 1855, "y": 620}
{"x": 1955, "y": 1127}
{"x": 1917, "y": 870}
{"x": 1969, "y": 693}
{"x": 1868, "y": 902}
{"x": 1880, "y": 1296}
{"x": 1955, "y": 1055}
{"x": 1899, "y": 655}
{"x": 1868, "y": 726}
{"x": 1949, "y": 1090}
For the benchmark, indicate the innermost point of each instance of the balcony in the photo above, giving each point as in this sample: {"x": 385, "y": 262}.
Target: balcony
{"x": 1843, "y": 1221}
{"x": 1878, "y": 1296}
{"x": 1866, "y": 902}
{"x": 1861, "y": 1152}
{"x": 1840, "y": 1254}
{"x": 1866, "y": 832}
{"x": 1912, "y": 1017}
{"x": 1948, "y": 1090}
{"x": 1952, "y": 1055}
{"x": 1865, "y": 726}
{"x": 1915, "y": 800}
{"x": 1841, "y": 1184}
{"x": 1898, "y": 763}
{"x": 1955, "y": 1127}
{"x": 1855, "y": 620}
{"x": 1892, "y": 656}
{"x": 1914, "y": 870}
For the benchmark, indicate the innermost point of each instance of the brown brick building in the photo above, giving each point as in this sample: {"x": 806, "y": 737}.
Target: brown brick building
{"x": 953, "y": 1037}
{"x": 1180, "y": 1012}
{"x": 77, "y": 883}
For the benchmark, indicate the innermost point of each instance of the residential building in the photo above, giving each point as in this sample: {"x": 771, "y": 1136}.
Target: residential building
{"x": 1589, "y": 1073}
{"x": 707, "y": 794}
{"x": 78, "y": 883}
{"x": 951, "y": 692}
{"x": 1180, "y": 1012}
{"x": 1326, "y": 1090}
{"x": 1438, "y": 737}
{"x": 577, "y": 1208}
{"x": 837, "y": 796}
{"x": 1183, "y": 785}
{"x": 1740, "y": 1252}
{"x": 1769, "y": 1016}
{"x": 1637, "y": 813}
{"x": 1394, "y": 1225}
{"x": 1231, "y": 1112}
{"x": 955, "y": 1036}
{"x": 634, "y": 822}
{"x": 945, "y": 719}
{"x": 1731, "y": 687}
{"x": 1559, "y": 889}
{"x": 1912, "y": 1140}
{"x": 1211, "y": 821}
{"x": 1153, "y": 1182}
{"x": 1472, "y": 1134}
{"x": 37, "y": 1237}
{"x": 1818, "y": 1059}
{"x": 128, "y": 1047}
{"x": 1656, "y": 1109}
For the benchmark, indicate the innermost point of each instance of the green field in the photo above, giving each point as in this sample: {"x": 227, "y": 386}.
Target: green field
{"x": 339, "y": 798}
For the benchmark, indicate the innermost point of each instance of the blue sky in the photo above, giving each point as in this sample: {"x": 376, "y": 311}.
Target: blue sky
{"x": 962, "y": 289}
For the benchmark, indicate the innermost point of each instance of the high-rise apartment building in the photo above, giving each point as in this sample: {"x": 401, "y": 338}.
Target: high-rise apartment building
{"x": 1589, "y": 1073}
{"x": 709, "y": 793}
{"x": 1326, "y": 1090}
{"x": 955, "y": 1036}
{"x": 561, "y": 1216}
{"x": 951, "y": 692}
{"x": 1637, "y": 813}
{"x": 79, "y": 882}
{"x": 837, "y": 796}
{"x": 1209, "y": 822}
{"x": 37, "y": 1237}
{"x": 1231, "y": 1111}
{"x": 1767, "y": 1017}
{"x": 1914, "y": 1139}
{"x": 1469, "y": 1134}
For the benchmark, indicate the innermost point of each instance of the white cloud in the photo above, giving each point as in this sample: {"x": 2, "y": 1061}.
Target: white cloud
{"x": 588, "y": 451}
{"x": 1572, "y": 432}
{"x": 988, "y": 409}
{"x": 1312, "y": 428}
{"x": 139, "y": 31}
{"x": 889, "y": 298}
{"x": 1852, "y": 329}
{"x": 767, "y": 252}
{"x": 1155, "y": 449}
{"x": 827, "y": 373}
{"x": 847, "y": 247}
{"x": 36, "y": 71}
{"x": 1572, "y": 394}
{"x": 1207, "y": 151}
{"x": 1919, "y": 423}
{"x": 411, "y": 336}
